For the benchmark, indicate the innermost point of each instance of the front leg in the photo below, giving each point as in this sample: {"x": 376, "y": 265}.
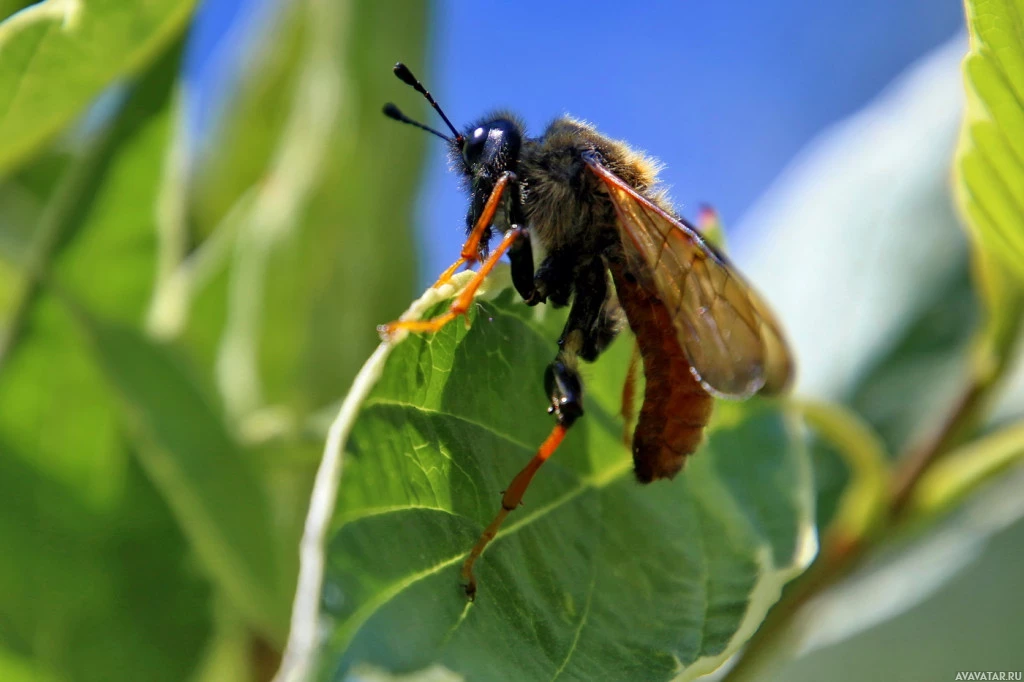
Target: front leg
{"x": 483, "y": 207}
{"x": 462, "y": 302}
{"x": 521, "y": 257}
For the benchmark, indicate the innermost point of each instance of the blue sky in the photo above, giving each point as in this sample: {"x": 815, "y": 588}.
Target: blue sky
{"x": 725, "y": 94}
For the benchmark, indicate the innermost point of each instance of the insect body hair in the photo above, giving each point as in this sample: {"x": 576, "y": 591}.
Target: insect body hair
{"x": 565, "y": 205}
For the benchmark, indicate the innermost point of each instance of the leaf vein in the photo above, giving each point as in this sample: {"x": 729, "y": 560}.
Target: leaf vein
{"x": 583, "y": 620}
{"x": 348, "y": 631}
{"x": 372, "y": 402}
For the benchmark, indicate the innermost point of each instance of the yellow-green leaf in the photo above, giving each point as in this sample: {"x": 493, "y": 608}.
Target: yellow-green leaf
{"x": 990, "y": 156}
{"x": 58, "y": 55}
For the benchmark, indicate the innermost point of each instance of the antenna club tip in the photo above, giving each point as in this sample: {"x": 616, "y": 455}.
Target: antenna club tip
{"x": 404, "y": 74}
{"x": 391, "y": 111}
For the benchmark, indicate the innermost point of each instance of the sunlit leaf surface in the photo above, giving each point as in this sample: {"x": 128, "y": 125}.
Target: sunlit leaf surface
{"x": 990, "y": 159}
{"x": 57, "y": 55}
{"x": 595, "y": 577}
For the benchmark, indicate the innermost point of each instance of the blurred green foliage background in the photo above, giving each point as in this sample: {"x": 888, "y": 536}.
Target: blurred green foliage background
{"x": 171, "y": 327}
{"x": 178, "y": 326}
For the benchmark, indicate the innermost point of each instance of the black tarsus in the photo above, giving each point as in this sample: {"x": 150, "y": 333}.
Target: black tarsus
{"x": 565, "y": 391}
{"x": 521, "y": 258}
{"x": 521, "y": 253}
{"x": 593, "y": 323}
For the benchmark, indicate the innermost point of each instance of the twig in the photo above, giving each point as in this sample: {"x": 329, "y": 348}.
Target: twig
{"x": 920, "y": 459}
{"x": 842, "y": 552}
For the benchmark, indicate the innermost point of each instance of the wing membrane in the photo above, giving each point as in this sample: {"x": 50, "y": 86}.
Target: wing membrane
{"x": 728, "y": 333}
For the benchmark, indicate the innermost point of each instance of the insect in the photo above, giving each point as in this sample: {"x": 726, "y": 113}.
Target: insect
{"x": 609, "y": 245}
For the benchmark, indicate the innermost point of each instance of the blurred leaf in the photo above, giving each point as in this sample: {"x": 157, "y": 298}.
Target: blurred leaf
{"x": 107, "y": 254}
{"x": 14, "y": 668}
{"x": 910, "y": 388}
{"x": 97, "y": 232}
{"x": 912, "y": 571}
{"x": 96, "y": 594}
{"x": 47, "y": 380}
{"x": 965, "y": 470}
{"x": 95, "y": 249}
{"x": 887, "y": 327}
{"x": 435, "y": 673}
{"x": 58, "y": 55}
{"x": 85, "y": 537}
{"x": 865, "y": 215}
{"x": 989, "y": 184}
{"x": 997, "y": 344}
{"x": 23, "y": 196}
{"x": 594, "y": 577}
{"x": 863, "y": 498}
{"x": 990, "y": 156}
{"x": 95, "y": 581}
{"x": 185, "y": 448}
{"x": 240, "y": 149}
{"x": 325, "y": 250}
{"x": 9, "y": 7}
{"x": 939, "y": 636}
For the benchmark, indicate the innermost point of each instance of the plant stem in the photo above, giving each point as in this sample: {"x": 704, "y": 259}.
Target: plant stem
{"x": 843, "y": 551}
{"x": 918, "y": 460}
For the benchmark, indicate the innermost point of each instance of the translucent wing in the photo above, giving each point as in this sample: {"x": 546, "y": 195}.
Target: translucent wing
{"x": 729, "y": 335}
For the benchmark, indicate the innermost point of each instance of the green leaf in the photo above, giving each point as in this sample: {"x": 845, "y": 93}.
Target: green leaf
{"x": 97, "y": 578}
{"x": 990, "y": 157}
{"x": 887, "y": 326}
{"x": 9, "y": 7}
{"x": 97, "y": 231}
{"x": 965, "y": 470}
{"x": 186, "y": 449}
{"x": 989, "y": 187}
{"x": 324, "y": 186}
{"x": 86, "y": 538}
{"x": 14, "y": 668}
{"x": 594, "y": 577}
{"x": 862, "y": 502}
{"x": 58, "y": 55}
{"x": 106, "y": 262}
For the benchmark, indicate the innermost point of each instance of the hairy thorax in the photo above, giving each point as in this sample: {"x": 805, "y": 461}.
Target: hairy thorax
{"x": 566, "y": 206}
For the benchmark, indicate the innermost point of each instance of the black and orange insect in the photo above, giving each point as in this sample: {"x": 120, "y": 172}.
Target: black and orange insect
{"x": 609, "y": 243}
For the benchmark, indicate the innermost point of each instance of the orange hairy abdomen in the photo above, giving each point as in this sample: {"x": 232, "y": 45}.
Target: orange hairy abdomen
{"x": 676, "y": 408}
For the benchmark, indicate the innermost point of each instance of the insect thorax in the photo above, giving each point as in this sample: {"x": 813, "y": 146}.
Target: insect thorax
{"x": 565, "y": 205}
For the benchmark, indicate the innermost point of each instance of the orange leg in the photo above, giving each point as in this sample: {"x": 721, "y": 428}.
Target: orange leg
{"x": 629, "y": 396}
{"x": 446, "y": 276}
{"x": 511, "y": 499}
{"x": 461, "y": 304}
{"x": 471, "y": 248}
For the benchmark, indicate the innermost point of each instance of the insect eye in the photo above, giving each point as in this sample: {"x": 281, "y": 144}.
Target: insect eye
{"x": 473, "y": 148}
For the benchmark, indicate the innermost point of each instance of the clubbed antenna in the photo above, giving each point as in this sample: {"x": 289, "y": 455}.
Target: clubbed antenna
{"x": 405, "y": 75}
{"x": 391, "y": 111}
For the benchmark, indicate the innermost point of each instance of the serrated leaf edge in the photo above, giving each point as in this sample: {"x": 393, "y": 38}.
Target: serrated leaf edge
{"x": 768, "y": 588}
{"x": 306, "y": 634}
